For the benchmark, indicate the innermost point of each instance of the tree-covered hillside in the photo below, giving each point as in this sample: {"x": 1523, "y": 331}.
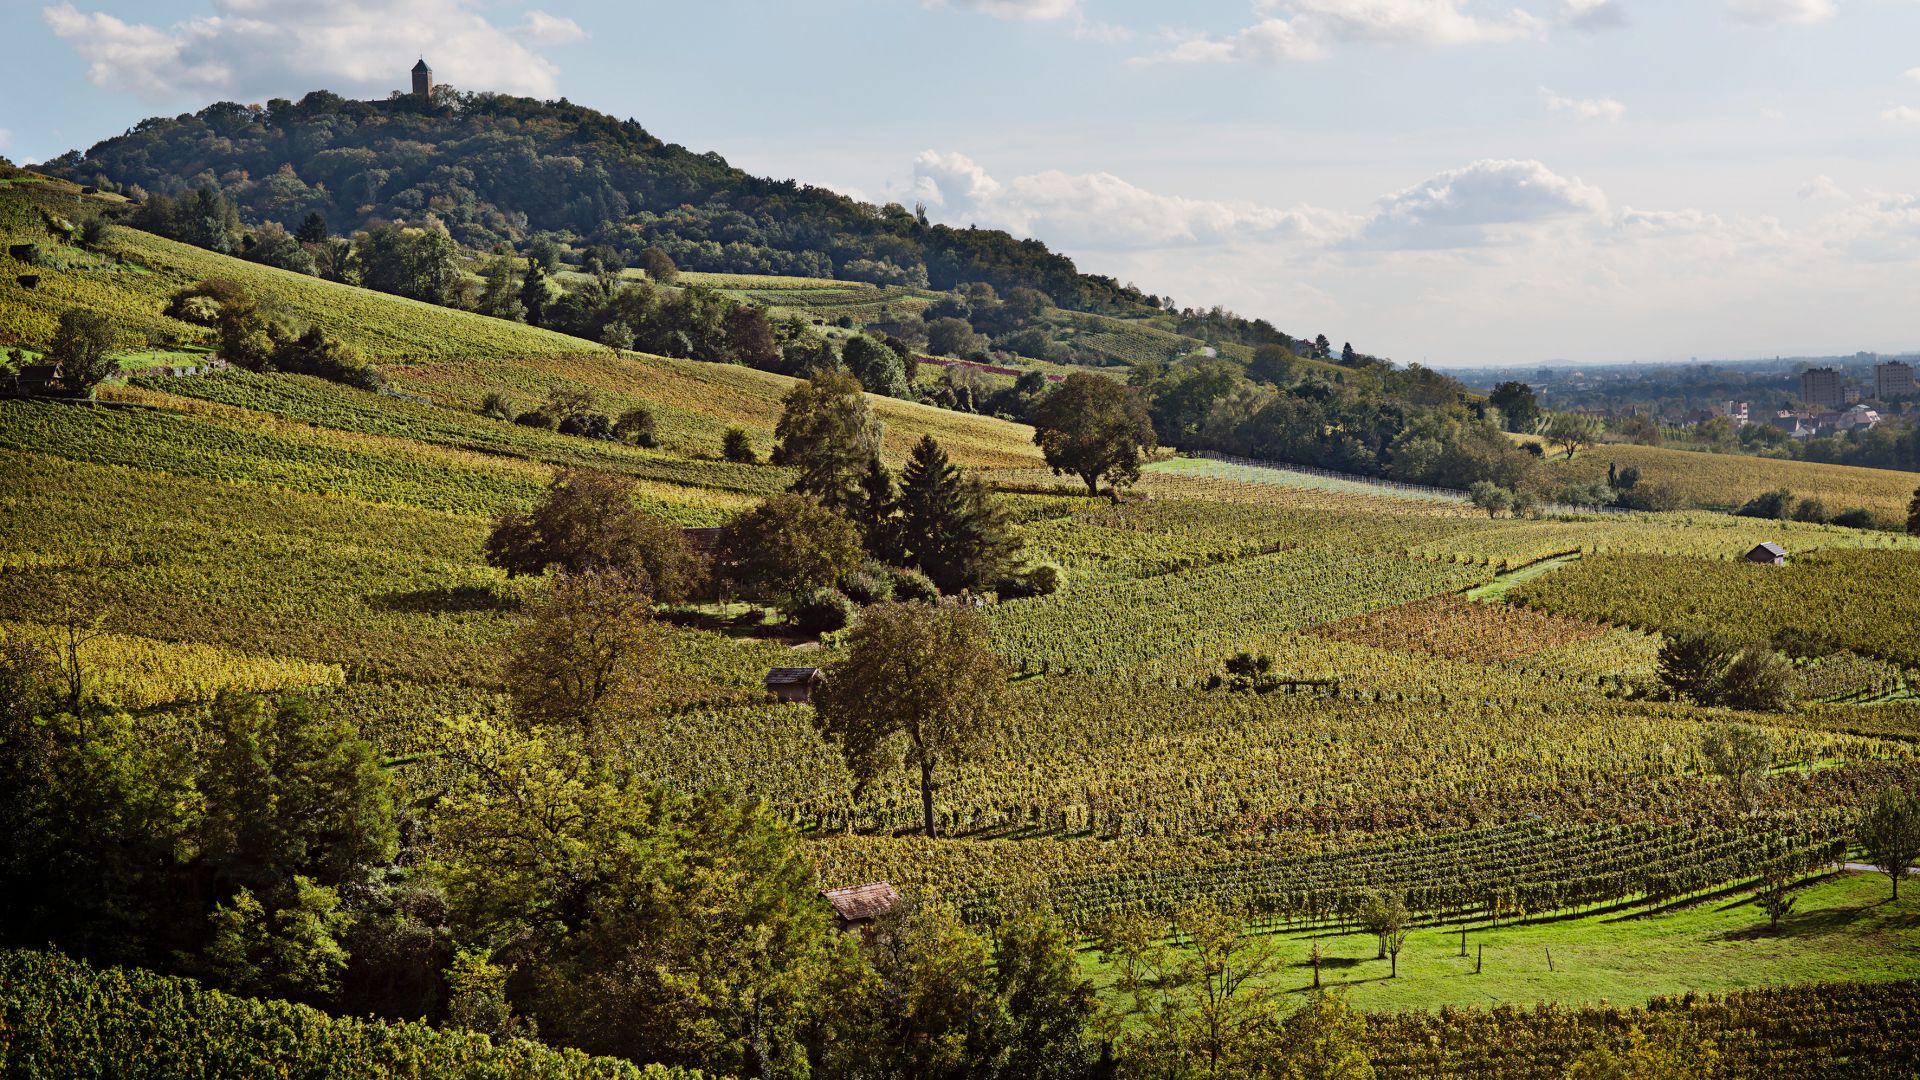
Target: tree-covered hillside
{"x": 499, "y": 169}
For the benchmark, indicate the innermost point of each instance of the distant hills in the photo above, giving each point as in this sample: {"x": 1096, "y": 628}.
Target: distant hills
{"x": 498, "y": 169}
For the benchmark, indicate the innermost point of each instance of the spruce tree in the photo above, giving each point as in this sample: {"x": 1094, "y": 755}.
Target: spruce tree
{"x": 949, "y": 527}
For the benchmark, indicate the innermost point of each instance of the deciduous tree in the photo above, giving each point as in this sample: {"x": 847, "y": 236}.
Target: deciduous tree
{"x": 589, "y": 520}
{"x": 82, "y": 346}
{"x": 827, "y": 434}
{"x": 921, "y": 686}
{"x": 787, "y": 547}
{"x": 1093, "y": 428}
{"x": 1889, "y": 832}
{"x": 586, "y": 653}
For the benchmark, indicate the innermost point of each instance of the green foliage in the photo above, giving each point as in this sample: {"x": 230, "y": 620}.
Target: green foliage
{"x": 589, "y": 521}
{"x": 63, "y": 1017}
{"x": 587, "y": 652}
{"x": 787, "y": 547}
{"x": 948, "y": 525}
{"x": 737, "y": 446}
{"x": 920, "y": 687}
{"x": 1889, "y": 833}
{"x": 828, "y": 435}
{"x": 1095, "y": 429}
{"x": 82, "y": 348}
{"x": 878, "y": 368}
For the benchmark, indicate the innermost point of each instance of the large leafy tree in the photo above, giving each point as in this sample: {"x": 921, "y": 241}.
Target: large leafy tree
{"x": 787, "y": 547}
{"x": 83, "y": 348}
{"x": 828, "y": 435}
{"x": 590, "y": 520}
{"x": 948, "y": 526}
{"x": 878, "y": 367}
{"x": 920, "y": 686}
{"x": 587, "y": 652}
{"x": 1519, "y": 408}
{"x": 1093, "y": 428}
{"x": 1889, "y": 833}
{"x": 644, "y": 923}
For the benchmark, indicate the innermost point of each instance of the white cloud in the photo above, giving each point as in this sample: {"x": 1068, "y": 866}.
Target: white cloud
{"x": 1309, "y": 30}
{"x": 1902, "y": 114}
{"x": 256, "y": 48}
{"x": 1911, "y": 74}
{"x": 551, "y": 29}
{"x": 1820, "y": 187}
{"x": 1022, "y": 10}
{"x": 1099, "y": 210}
{"x": 1776, "y": 12}
{"x": 1606, "y": 109}
{"x": 1487, "y": 202}
{"x": 1593, "y": 14}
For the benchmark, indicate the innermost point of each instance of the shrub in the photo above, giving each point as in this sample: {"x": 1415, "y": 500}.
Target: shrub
{"x": 822, "y": 611}
{"x": 910, "y": 586}
{"x": 1042, "y": 580}
{"x": 737, "y": 446}
{"x": 1857, "y": 518}
{"x": 537, "y": 418}
{"x": 1772, "y": 505}
{"x": 865, "y": 587}
{"x": 1812, "y": 510}
{"x": 587, "y": 425}
{"x": 497, "y": 406}
{"x": 638, "y": 427}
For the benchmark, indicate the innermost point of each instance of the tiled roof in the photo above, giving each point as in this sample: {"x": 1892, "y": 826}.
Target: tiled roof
{"x": 857, "y": 903}
{"x": 787, "y": 676}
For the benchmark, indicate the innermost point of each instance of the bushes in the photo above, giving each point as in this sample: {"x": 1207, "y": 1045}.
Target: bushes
{"x": 61, "y": 1017}
{"x": 822, "y": 611}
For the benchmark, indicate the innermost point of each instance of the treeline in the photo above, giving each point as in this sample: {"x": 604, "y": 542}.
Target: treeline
{"x": 1412, "y": 425}
{"x": 497, "y": 169}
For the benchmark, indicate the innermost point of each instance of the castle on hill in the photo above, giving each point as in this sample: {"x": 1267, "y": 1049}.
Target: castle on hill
{"x": 422, "y": 80}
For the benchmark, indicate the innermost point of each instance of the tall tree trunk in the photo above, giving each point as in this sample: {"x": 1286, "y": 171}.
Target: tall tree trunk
{"x": 926, "y": 792}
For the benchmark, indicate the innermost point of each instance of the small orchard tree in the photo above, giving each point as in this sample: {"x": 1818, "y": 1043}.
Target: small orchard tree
{"x": 1490, "y": 497}
{"x": 1387, "y": 919}
{"x": 1741, "y": 754}
{"x": 1889, "y": 833}
{"x": 589, "y": 520}
{"x": 82, "y": 347}
{"x": 1094, "y": 428}
{"x": 587, "y": 652}
{"x": 1571, "y": 431}
{"x": 1775, "y": 897}
{"x": 920, "y": 686}
{"x": 827, "y": 434}
{"x": 788, "y": 547}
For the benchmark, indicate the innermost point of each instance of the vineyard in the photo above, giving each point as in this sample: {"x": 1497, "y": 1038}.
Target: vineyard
{"x": 1268, "y": 690}
{"x": 61, "y": 1017}
{"x": 1869, "y": 600}
{"x": 1726, "y": 481}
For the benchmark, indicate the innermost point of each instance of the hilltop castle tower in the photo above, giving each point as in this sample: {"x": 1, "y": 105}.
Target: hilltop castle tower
{"x": 422, "y": 79}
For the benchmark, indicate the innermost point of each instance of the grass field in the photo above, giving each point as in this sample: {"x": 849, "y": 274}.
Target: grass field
{"x": 1842, "y": 928}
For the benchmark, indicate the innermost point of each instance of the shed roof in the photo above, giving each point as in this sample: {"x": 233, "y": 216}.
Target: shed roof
{"x": 39, "y": 371}
{"x": 703, "y": 541}
{"x": 1770, "y": 548}
{"x": 790, "y": 676}
{"x": 858, "y": 903}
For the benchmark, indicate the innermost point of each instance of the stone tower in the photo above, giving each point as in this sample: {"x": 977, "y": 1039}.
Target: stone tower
{"x": 422, "y": 79}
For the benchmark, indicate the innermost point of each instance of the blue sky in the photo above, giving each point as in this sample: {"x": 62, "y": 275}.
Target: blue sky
{"x": 1442, "y": 180}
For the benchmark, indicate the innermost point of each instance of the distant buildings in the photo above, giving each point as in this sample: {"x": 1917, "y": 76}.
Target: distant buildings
{"x": 1893, "y": 379}
{"x": 1821, "y": 386}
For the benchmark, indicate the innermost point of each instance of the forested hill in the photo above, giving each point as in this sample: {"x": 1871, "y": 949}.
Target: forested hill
{"x": 498, "y": 169}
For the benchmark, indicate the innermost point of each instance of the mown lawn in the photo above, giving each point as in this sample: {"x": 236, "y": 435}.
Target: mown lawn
{"x": 1844, "y": 928}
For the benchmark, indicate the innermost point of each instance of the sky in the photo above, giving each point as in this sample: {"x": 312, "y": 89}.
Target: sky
{"x": 1453, "y": 182}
